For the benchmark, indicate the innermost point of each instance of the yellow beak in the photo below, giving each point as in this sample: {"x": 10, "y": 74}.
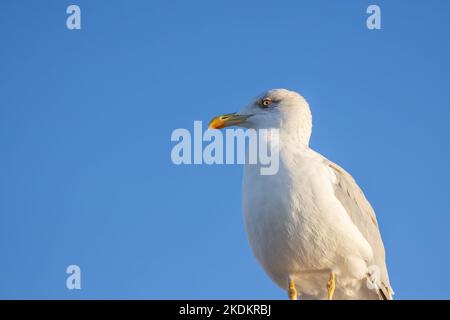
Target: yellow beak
{"x": 226, "y": 120}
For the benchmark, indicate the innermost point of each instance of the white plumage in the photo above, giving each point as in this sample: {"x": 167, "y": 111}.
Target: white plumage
{"x": 311, "y": 218}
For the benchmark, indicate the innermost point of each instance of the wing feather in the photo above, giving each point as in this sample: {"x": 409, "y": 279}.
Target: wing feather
{"x": 363, "y": 216}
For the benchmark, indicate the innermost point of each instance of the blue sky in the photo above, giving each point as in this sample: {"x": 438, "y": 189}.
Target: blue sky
{"x": 86, "y": 117}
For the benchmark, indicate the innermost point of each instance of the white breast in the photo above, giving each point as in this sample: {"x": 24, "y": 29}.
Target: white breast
{"x": 297, "y": 228}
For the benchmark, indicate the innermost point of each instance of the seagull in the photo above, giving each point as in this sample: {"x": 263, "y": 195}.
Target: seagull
{"x": 309, "y": 225}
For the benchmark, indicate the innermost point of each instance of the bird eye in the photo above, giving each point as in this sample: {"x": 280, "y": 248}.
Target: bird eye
{"x": 266, "y": 102}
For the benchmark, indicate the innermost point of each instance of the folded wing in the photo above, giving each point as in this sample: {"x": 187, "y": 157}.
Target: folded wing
{"x": 363, "y": 216}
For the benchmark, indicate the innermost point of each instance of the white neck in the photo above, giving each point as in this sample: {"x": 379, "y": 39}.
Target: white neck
{"x": 297, "y": 130}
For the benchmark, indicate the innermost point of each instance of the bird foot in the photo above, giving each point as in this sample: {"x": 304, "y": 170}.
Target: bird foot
{"x": 331, "y": 285}
{"x": 292, "y": 291}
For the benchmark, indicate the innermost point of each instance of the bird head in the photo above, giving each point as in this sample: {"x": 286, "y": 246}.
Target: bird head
{"x": 279, "y": 109}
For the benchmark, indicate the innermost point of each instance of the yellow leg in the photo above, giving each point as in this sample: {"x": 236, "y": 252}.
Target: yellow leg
{"x": 292, "y": 292}
{"x": 331, "y": 285}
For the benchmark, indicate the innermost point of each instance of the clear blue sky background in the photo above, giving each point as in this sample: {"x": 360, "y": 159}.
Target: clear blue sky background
{"x": 86, "y": 117}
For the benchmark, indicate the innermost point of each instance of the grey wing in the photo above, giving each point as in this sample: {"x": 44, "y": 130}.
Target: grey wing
{"x": 363, "y": 216}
